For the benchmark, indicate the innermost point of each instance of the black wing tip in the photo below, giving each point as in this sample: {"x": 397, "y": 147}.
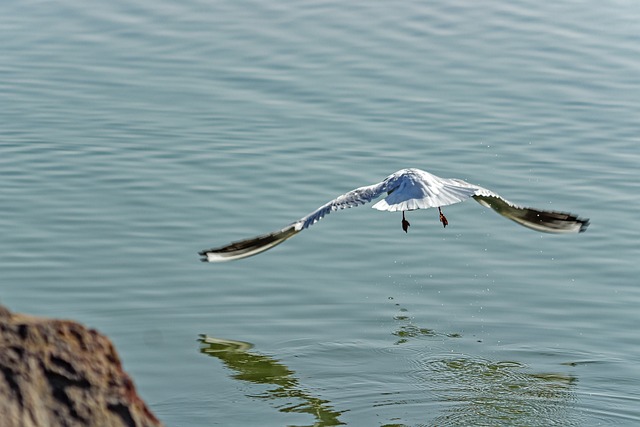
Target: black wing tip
{"x": 584, "y": 224}
{"x": 203, "y": 254}
{"x": 563, "y": 220}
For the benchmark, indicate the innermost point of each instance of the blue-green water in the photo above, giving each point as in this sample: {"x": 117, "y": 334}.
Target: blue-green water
{"x": 133, "y": 135}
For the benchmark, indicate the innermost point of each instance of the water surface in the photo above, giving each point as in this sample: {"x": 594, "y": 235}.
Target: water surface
{"x": 133, "y": 135}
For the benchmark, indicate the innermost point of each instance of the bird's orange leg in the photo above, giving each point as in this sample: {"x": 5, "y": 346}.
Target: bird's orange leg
{"x": 405, "y": 223}
{"x": 443, "y": 219}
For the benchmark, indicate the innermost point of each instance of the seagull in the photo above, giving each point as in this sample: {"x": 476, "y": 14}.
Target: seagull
{"x": 406, "y": 190}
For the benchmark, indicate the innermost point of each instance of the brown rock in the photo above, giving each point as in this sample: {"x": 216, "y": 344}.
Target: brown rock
{"x": 59, "y": 373}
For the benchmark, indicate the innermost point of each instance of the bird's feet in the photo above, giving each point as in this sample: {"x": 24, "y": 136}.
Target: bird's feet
{"x": 443, "y": 219}
{"x": 405, "y": 223}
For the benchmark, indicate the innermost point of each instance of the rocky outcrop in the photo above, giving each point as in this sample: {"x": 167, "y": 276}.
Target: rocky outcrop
{"x": 59, "y": 373}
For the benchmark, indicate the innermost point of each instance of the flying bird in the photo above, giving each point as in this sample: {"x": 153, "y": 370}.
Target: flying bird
{"x": 406, "y": 190}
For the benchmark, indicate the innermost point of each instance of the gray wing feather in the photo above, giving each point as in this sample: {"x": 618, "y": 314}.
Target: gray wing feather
{"x": 248, "y": 247}
{"x": 536, "y": 219}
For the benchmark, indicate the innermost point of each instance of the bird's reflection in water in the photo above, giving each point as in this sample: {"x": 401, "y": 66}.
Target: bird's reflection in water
{"x": 260, "y": 369}
{"x": 429, "y": 387}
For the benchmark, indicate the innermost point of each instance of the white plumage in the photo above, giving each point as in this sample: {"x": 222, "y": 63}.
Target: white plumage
{"x": 406, "y": 190}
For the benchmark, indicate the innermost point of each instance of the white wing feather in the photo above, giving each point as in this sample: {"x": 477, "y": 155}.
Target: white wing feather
{"x": 417, "y": 189}
{"x": 353, "y": 198}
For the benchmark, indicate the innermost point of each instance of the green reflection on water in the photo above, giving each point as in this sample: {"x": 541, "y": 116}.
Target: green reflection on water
{"x": 500, "y": 393}
{"x": 480, "y": 392}
{"x": 260, "y": 369}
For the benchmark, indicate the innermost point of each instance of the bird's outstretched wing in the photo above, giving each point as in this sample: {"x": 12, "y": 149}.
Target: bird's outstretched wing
{"x": 536, "y": 219}
{"x": 255, "y": 245}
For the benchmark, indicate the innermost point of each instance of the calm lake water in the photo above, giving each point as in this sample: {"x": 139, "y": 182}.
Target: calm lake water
{"x": 133, "y": 134}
